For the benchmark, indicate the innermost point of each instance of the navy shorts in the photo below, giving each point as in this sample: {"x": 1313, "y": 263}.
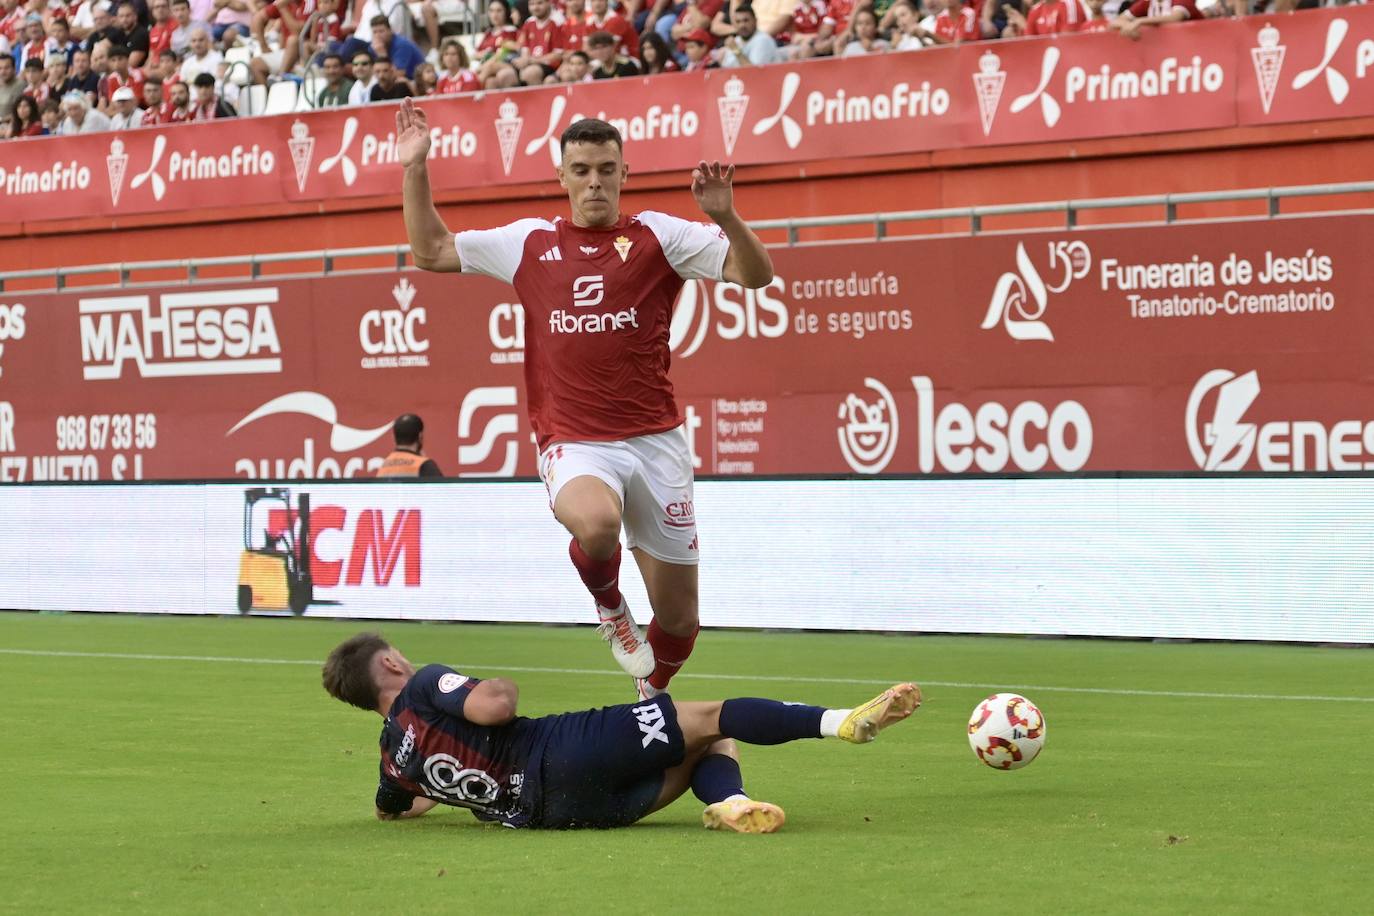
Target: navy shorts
{"x": 604, "y": 767}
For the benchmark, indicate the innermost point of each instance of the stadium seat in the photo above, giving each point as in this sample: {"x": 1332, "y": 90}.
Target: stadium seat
{"x": 253, "y": 100}
{"x": 281, "y": 97}
{"x": 236, "y": 65}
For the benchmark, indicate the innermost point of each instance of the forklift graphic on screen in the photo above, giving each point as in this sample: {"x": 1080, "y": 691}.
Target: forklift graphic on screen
{"x": 274, "y": 569}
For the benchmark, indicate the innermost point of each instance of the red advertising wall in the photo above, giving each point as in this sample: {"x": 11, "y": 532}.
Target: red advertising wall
{"x": 1209, "y": 346}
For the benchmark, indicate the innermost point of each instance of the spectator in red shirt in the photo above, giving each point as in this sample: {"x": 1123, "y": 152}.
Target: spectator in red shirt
{"x": 11, "y": 20}
{"x": 120, "y": 75}
{"x": 498, "y": 45}
{"x": 209, "y": 106}
{"x": 33, "y": 46}
{"x": 155, "y": 109}
{"x": 808, "y": 24}
{"x": 1153, "y": 12}
{"x": 25, "y": 121}
{"x": 654, "y": 55}
{"x": 1095, "y": 21}
{"x": 163, "y": 27}
{"x": 601, "y": 19}
{"x": 697, "y": 47}
{"x": 457, "y": 75}
{"x": 291, "y": 15}
{"x": 957, "y": 22}
{"x": 541, "y": 50}
{"x": 322, "y": 32}
{"x": 575, "y": 27}
{"x": 1048, "y": 17}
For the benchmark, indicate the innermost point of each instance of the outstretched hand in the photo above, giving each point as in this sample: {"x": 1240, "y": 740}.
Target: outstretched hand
{"x": 412, "y": 134}
{"x": 712, "y": 187}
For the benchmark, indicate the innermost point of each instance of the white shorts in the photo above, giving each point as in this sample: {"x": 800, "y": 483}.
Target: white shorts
{"x": 652, "y": 475}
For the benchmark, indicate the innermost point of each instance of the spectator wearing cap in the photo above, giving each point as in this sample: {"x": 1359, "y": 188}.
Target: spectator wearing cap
{"x": 750, "y": 45}
{"x": 154, "y": 107}
{"x": 130, "y": 34}
{"x": 120, "y": 75}
{"x": 697, "y": 48}
{"x": 50, "y": 113}
{"x": 126, "y": 111}
{"x": 24, "y": 120}
{"x": 603, "y": 49}
{"x": 82, "y": 78}
{"x": 1144, "y": 13}
{"x": 202, "y": 58}
{"x": 403, "y": 53}
{"x": 336, "y": 84}
{"x": 81, "y": 117}
{"x": 230, "y": 19}
{"x": 390, "y": 86}
{"x": 60, "y": 39}
{"x": 11, "y": 86}
{"x": 161, "y": 29}
{"x": 866, "y": 40}
{"x": 360, "y": 93}
{"x": 208, "y": 106}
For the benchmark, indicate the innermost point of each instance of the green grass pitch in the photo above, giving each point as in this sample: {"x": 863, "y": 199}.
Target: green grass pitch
{"x": 222, "y": 786}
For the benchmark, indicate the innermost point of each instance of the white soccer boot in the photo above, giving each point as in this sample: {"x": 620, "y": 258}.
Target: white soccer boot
{"x": 631, "y": 650}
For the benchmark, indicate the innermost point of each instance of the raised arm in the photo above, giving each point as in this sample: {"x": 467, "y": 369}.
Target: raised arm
{"x": 747, "y": 262}
{"x": 492, "y": 702}
{"x": 431, "y": 243}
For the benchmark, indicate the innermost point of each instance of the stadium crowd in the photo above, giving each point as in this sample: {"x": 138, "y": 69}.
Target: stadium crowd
{"x": 94, "y": 65}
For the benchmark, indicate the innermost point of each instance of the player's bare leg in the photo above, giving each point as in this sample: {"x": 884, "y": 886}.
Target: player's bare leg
{"x": 672, "y": 633}
{"x": 712, "y": 773}
{"x": 591, "y": 512}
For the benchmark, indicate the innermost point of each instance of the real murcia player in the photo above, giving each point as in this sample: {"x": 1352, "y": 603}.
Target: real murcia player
{"x": 598, "y": 292}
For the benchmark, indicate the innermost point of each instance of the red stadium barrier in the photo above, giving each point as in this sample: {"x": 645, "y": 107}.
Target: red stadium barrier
{"x": 1256, "y": 71}
{"x": 1206, "y": 346}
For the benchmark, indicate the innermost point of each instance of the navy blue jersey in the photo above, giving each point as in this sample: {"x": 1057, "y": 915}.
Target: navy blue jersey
{"x": 429, "y": 749}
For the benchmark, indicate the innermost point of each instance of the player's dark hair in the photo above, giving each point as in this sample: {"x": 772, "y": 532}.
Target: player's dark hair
{"x": 347, "y": 673}
{"x": 407, "y": 428}
{"x": 590, "y": 130}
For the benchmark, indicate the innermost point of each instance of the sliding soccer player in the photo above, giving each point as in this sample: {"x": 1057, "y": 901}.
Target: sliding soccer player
{"x": 598, "y": 292}
{"x": 452, "y": 739}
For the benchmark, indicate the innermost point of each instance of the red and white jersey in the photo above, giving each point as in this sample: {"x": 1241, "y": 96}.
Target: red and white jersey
{"x": 1142, "y": 9}
{"x": 160, "y": 38}
{"x": 1094, "y": 25}
{"x": 11, "y": 24}
{"x": 839, "y": 13}
{"x": 620, "y": 28}
{"x": 575, "y": 33}
{"x": 154, "y": 115}
{"x": 494, "y": 38}
{"x": 963, "y": 27}
{"x": 459, "y": 80}
{"x": 112, "y": 81}
{"x": 540, "y": 38}
{"x": 598, "y": 305}
{"x": 808, "y": 17}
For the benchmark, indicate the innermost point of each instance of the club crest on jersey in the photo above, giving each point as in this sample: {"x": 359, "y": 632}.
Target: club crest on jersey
{"x": 622, "y": 247}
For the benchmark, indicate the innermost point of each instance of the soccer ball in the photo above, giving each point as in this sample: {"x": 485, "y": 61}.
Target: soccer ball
{"x": 1006, "y": 731}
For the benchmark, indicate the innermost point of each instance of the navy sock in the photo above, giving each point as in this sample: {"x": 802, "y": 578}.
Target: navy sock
{"x": 716, "y": 778}
{"x": 755, "y": 721}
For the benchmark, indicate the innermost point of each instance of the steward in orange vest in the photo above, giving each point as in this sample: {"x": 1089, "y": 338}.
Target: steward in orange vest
{"x": 408, "y": 459}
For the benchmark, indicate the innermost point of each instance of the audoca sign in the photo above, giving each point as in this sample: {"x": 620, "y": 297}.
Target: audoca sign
{"x": 1260, "y": 70}
{"x": 1169, "y": 348}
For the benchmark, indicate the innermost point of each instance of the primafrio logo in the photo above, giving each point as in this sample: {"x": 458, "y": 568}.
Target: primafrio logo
{"x": 868, "y": 431}
{"x": 988, "y": 83}
{"x": 732, "y": 106}
{"x": 504, "y": 423}
{"x": 1336, "y": 83}
{"x": 1049, "y": 105}
{"x": 229, "y": 332}
{"x": 1268, "y": 60}
{"x": 791, "y": 130}
{"x": 394, "y": 338}
{"x": 191, "y": 166}
{"x": 342, "y": 159}
{"x": 1020, "y": 298}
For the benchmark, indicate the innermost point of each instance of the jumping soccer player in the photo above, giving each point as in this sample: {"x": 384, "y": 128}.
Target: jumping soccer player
{"x": 598, "y": 293}
{"x": 456, "y": 740}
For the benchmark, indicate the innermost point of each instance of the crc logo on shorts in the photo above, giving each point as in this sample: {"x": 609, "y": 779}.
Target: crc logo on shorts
{"x": 500, "y": 426}
{"x": 868, "y": 432}
{"x": 451, "y": 779}
{"x": 1020, "y": 298}
{"x": 651, "y": 723}
{"x": 680, "y": 514}
{"x": 589, "y": 291}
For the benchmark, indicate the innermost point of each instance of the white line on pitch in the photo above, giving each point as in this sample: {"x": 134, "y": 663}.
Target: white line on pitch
{"x": 785, "y": 679}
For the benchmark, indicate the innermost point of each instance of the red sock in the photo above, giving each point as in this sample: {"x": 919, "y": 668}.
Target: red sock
{"x": 670, "y": 653}
{"x": 602, "y": 577}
